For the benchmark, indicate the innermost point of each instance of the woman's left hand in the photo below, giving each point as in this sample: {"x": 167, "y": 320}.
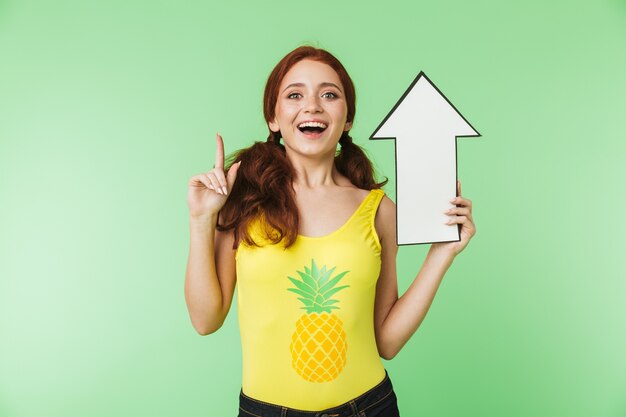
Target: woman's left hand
{"x": 461, "y": 214}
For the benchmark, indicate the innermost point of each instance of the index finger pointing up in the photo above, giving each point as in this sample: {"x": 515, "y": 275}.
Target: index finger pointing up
{"x": 219, "y": 152}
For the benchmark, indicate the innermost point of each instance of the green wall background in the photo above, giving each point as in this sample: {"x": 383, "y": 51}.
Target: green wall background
{"x": 107, "y": 109}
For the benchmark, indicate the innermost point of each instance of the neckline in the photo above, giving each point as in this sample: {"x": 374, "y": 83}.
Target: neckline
{"x": 343, "y": 226}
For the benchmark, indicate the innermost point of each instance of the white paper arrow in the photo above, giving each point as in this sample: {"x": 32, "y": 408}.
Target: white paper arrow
{"x": 425, "y": 126}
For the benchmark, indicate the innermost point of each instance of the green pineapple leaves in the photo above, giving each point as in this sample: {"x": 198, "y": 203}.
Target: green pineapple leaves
{"x": 316, "y": 289}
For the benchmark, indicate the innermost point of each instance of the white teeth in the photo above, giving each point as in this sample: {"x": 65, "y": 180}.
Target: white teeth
{"x": 313, "y": 124}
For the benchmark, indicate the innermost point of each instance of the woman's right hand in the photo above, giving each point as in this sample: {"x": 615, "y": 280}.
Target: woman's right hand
{"x": 208, "y": 192}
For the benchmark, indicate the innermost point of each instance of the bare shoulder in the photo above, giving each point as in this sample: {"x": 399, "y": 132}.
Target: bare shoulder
{"x": 353, "y": 195}
{"x": 385, "y": 221}
{"x": 361, "y": 194}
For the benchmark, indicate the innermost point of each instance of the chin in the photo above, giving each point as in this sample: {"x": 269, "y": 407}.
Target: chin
{"x": 315, "y": 153}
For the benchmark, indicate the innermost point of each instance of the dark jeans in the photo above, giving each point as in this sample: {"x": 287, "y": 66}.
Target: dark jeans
{"x": 379, "y": 401}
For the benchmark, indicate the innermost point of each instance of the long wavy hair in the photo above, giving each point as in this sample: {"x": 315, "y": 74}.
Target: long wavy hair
{"x": 264, "y": 184}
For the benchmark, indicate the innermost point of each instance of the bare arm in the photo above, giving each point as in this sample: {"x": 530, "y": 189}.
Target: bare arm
{"x": 210, "y": 276}
{"x": 397, "y": 319}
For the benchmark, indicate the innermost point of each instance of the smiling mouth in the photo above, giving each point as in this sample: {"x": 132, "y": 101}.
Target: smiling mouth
{"x": 312, "y": 128}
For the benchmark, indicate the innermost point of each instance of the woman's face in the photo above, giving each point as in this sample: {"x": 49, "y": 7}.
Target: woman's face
{"x": 311, "y": 110}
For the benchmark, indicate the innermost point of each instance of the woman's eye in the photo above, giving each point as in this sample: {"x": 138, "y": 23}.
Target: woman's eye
{"x": 293, "y": 95}
{"x": 329, "y": 95}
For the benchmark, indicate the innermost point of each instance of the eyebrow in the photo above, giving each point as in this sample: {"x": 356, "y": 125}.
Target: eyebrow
{"x": 320, "y": 85}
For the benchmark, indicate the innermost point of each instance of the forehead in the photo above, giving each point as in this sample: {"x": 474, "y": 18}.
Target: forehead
{"x": 312, "y": 73}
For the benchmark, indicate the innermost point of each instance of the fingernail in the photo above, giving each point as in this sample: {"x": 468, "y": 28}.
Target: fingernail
{"x": 225, "y": 190}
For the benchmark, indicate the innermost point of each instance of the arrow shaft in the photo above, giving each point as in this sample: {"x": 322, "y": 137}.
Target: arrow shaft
{"x": 427, "y": 184}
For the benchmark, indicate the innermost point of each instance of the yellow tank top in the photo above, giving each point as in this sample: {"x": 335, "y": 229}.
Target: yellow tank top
{"x": 306, "y": 314}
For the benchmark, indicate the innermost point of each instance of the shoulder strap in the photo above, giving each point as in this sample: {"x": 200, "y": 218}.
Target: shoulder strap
{"x": 367, "y": 211}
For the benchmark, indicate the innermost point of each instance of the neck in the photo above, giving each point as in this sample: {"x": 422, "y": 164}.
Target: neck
{"x": 314, "y": 172}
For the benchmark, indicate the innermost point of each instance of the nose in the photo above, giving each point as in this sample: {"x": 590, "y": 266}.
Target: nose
{"x": 312, "y": 104}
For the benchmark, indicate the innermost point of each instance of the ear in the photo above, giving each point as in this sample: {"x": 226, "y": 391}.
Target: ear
{"x": 274, "y": 126}
{"x": 348, "y": 126}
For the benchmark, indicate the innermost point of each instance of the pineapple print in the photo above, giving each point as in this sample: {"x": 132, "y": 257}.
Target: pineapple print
{"x": 318, "y": 346}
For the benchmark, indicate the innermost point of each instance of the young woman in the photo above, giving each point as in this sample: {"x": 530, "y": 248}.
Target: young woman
{"x": 310, "y": 237}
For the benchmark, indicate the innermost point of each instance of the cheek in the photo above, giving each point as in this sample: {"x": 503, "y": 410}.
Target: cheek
{"x": 285, "y": 112}
{"x": 340, "y": 110}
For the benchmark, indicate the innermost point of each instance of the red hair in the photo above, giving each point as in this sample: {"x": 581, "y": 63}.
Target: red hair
{"x": 264, "y": 180}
